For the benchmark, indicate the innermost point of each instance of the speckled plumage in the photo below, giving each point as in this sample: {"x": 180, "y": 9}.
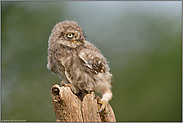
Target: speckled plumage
{"x": 78, "y": 62}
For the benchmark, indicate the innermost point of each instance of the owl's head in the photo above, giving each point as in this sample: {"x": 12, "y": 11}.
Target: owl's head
{"x": 67, "y": 33}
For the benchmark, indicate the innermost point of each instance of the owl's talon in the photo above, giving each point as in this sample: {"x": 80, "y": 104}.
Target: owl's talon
{"x": 96, "y": 97}
{"x": 62, "y": 83}
{"x": 73, "y": 89}
{"x": 103, "y": 107}
{"x": 106, "y": 115}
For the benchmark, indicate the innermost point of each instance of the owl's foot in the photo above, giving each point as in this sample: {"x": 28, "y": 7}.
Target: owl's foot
{"x": 73, "y": 89}
{"x": 103, "y": 107}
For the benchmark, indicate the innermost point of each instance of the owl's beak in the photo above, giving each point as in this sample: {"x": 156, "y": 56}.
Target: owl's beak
{"x": 76, "y": 36}
{"x": 79, "y": 37}
{"x": 82, "y": 39}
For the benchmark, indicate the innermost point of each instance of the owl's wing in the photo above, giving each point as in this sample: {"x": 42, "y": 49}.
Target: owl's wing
{"x": 94, "y": 61}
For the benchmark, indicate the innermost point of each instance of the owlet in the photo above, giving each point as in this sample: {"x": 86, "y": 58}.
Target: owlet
{"x": 78, "y": 62}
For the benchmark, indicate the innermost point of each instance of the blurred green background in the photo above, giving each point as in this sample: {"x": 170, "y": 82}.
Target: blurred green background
{"x": 142, "y": 41}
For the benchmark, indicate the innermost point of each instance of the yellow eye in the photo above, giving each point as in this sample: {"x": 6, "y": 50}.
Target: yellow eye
{"x": 70, "y": 35}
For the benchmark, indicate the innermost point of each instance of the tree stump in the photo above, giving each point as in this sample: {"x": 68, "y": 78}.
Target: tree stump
{"x": 70, "y": 108}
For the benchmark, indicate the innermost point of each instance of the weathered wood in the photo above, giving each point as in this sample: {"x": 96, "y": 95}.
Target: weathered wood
{"x": 69, "y": 108}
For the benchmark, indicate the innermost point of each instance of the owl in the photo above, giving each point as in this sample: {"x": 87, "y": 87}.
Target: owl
{"x": 78, "y": 62}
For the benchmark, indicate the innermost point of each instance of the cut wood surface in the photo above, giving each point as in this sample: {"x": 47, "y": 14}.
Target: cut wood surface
{"x": 70, "y": 108}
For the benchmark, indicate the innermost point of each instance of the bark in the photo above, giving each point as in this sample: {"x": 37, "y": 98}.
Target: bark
{"x": 70, "y": 108}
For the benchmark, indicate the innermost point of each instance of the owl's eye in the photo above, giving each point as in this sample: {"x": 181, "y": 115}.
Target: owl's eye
{"x": 70, "y": 35}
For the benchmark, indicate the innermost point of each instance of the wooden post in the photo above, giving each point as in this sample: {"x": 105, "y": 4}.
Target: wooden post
{"x": 69, "y": 108}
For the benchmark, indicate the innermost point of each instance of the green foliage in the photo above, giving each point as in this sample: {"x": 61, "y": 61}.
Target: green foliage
{"x": 144, "y": 50}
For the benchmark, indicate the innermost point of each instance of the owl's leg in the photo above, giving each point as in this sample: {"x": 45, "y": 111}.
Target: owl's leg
{"x": 71, "y": 86}
{"x": 104, "y": 101}
{"x": 103, "y": 107}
